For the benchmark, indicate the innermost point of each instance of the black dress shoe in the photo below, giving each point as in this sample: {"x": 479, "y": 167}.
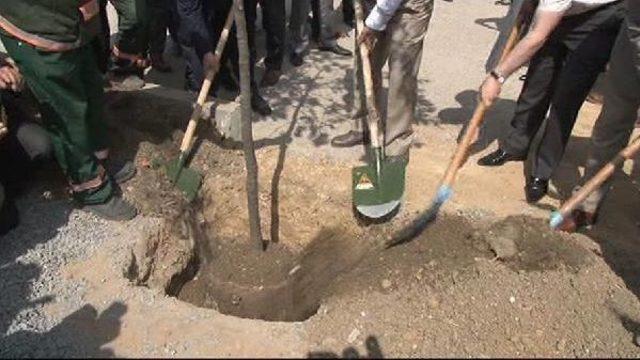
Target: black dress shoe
{"x": 260, "y": 105}
{"x": 296, "y": 59}
{"x": 536, "y": 189}
{"x": 336, "y": 49}
{"x": 499, "y": 158}
{"x": 349, "y": 139}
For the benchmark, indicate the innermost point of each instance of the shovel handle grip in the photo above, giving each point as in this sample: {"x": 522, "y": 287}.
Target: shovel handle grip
{"x": 206, "y": 84}
{"x": 372, "y": 104}
{"x": 600, "y": 178}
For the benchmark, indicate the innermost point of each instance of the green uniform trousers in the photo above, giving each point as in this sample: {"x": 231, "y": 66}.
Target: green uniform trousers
{"x": 68, "y": 87}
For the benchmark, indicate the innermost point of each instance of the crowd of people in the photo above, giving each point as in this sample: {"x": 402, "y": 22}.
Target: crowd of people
{"x": 63, "y": 53}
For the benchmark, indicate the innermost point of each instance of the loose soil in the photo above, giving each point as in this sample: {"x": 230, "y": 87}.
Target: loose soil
{"x": 470, "y": 283}
{"x": 485, "y": 278}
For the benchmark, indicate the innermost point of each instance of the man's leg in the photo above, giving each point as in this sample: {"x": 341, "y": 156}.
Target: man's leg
{"x": 531, "y": 107}
{"x": 258, "y": 103}
{"x": 298, "y": 32}
{"x": 328, "y": 30}
{"x": 59, "y": 82}
{"x": 159, "y": 13}
{"x": 221, "y": 10}
{"x": 355, "y": 135}
{"x": 348, "y": 13}
{"x": 576, "y": 79}
{"x": 533, "y": 102}
{"x": 120, "y": 172}
{"x": 131, "y": 39}
{"x": 274, "y": 22}
{"x": 406, "y": 31}
{"x": 193, "y": 72}
{"x": 327, "y": 34}
{"x": 103, "y": 42}
{"x": 615, "y": 124}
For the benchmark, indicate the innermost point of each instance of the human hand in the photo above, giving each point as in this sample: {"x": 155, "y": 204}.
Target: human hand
{"x": 490, "y": 91}
{"x": 368, "y": 37}
{"x": 10, "y": 78}
{"x": 211, "y": 63}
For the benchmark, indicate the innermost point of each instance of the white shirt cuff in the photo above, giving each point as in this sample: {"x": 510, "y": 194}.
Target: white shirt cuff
{"x": 377, "y": 20}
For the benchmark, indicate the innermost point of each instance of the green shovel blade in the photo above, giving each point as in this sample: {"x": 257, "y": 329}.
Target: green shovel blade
{"x": 375, "y": 197}
{"x": 185, "y": 179}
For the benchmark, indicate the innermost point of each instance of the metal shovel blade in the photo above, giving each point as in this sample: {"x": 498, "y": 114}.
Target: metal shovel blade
{"x": 185, "y": 179}
{"x": 378, "y": 211}
{"x": 377, "y": 196}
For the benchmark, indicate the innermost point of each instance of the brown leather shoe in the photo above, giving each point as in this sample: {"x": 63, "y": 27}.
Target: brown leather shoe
{"x": 349, "y": 139}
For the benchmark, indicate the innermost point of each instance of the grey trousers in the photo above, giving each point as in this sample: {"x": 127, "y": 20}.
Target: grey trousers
{"x": 299, "y": 29}
{"x": 401, "y": 47}
{"x": 616, "y": 122}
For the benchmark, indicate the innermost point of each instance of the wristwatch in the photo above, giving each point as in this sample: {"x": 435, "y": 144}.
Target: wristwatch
{"x": 496, "y": 75}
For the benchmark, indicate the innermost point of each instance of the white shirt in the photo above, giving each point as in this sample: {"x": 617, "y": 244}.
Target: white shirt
{"x": 571, "y": 7}
{"x": 381, "y": 14}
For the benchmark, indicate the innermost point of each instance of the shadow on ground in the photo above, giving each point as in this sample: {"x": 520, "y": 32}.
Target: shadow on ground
{"x": 372, "y": 351}
{"x": 81, "y": 334}
{"x": 496, "y": 120}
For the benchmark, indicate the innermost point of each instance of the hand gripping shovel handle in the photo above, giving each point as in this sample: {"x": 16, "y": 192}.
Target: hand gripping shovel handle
{"x": 206, "y": 86}
{"x": 594, "y": 183}
{"x": 462, "y": 151}
{"x": 372, "y": 108}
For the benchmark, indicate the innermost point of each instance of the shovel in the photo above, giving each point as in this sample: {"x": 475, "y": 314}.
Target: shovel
{"x": 187, "y": 180}
{"x": 558, "y": 217}
{"x": 379, "y": 186}
{"x": 445, "y": 190}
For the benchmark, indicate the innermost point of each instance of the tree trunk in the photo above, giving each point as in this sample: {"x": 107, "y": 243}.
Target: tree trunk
{"x": 247, "y": 126}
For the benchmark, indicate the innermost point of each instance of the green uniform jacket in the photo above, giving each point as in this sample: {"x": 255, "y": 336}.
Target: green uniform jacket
{"x": 50, "y": 25}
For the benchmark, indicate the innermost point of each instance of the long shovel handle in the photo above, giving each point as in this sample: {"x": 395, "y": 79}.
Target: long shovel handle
{"x": 471, "y": 134}
{"x": 206, "y": 84}
{"x": 371, "y": 103}
{"x": 595, "y": 182}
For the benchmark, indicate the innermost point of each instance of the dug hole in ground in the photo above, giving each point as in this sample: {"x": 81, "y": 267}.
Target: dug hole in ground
{"x": 486, "y": 278}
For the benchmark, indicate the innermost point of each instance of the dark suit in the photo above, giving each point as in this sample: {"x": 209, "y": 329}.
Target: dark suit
{"x": 559, "y": 79}
{"x": 615, "y": 124}
{"x": 202, "y": 21}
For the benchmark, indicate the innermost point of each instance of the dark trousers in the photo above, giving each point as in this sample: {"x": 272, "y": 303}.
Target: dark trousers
{"x": 159, "y": 20}
{"x": 220, "y": 11}
{"x": 274, "y": 24}
{"x": 216, "y": 13}
{"x": 193, "y": 70}
{"x": 348, "y": 11}
{"x": 559, "y": 79}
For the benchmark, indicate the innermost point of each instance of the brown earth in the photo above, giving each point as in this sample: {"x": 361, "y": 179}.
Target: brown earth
{"x": 486, "y": 278}
{"x": 452, "y": 291}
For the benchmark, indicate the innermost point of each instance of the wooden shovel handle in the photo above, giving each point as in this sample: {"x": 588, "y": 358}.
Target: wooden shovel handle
{"x": 370, "y": 94}
{"x": 471, "y": 134}
{"x": 603, "y": 175}
{"x": 206, "y": 84}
